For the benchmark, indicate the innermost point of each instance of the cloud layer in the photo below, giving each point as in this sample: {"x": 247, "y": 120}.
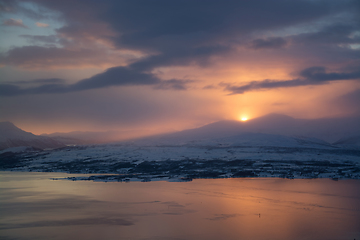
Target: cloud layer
{"x": 117, "y": 76}
{"x": 14, "y": 23}
{"x": 309, "y": 76}
{"x": 183, "y": 33}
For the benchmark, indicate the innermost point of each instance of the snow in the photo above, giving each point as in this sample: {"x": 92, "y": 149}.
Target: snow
{"x": 245, "y": 155}
{"x": 16, "y": 149}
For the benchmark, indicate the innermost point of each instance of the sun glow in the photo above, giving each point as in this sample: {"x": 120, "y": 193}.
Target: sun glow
{"x": 243, "y": 117}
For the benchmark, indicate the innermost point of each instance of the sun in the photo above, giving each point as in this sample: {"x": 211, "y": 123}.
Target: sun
{"x": 244, "y": 119}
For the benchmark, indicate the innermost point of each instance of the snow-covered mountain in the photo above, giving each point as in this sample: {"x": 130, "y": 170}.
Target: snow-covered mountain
{"x": 320, "y": 131}
{"x": 267, "y": 140}
{"x": 353, "y": 141}
{"x": 327, "y": 129}
{"x": 247, "y": 139}
{"x": 12, "y": 136}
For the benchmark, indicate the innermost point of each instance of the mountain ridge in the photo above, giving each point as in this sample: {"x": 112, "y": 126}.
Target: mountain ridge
{"x": 327, "y": 129}
{"x": 12, "y": 136}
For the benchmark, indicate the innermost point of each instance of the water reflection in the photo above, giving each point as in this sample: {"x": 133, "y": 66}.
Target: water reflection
{"x": 35, "y": 207}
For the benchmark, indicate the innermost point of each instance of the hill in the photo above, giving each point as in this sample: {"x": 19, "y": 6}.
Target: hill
{"x": 12, "y": 136}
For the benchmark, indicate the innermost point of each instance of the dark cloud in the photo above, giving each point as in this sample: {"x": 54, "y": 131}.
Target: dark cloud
{"x": 117, "y": 76}
{"x": 151, "y": 24}
{"x": 41, "y": 57}
{"x": 49, "y": 39}
{"x": 38, "y": 81}
{"x": 261, "y": 85}
{"x": 180, "y": 57}
{"x": 178, "y": 33}
{"x": 14, "y": 23}
{"x": 268, "y": 43}
{"x": 6, "y": 6}
{"x": 310, "y": 76}
{"x": 114, "y": 77}
{"x": 29, "y": 10}
{"x": 33, "y": 55}
{"x": 9, "y": 90}
{"x": 174, "y": 84}
{"x": 184, "y": 32}
{"x": 318, "y": 74}
{"x": 339, "y": 33}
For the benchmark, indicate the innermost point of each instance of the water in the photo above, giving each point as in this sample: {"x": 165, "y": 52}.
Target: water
{"x": 32, "y": 206}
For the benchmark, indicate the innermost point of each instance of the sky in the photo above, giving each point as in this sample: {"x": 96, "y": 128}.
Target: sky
{"x": 165, "y": 65}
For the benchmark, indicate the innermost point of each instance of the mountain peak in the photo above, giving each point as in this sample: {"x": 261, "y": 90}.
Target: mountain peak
{"x": 12, "y": 136}
{"x": 7, "y": 125}
{"x": 9, "y": 131}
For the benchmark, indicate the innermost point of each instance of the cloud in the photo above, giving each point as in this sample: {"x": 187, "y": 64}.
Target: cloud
{"x": 43, "y": 25}
{"x": 310, "y": 76}
{"x": 38, "y": 81}
{"x": 9, "y": 90}
{"x": 39, "y": 57}
{"x": 6, "y": 6}
{"x": 268, "y": 43}
{"x": 52, "y": 39}
{"x": 14, "y": 23}
{"x": 181, "y": 57}
{"x": 180, "y": 32}
{"x": 163, "y": 34}
{"x": 32, "y": 9}
{"x": 318, "y": 74}
{"x": 116, "y": 76}
{"x": 82, "y": 41}
{"x": 338, "y": 33}
{"x": 183, "y": 33}
{"x": 148, "y": 25}
{"x": 173, "y": 84}
{"x": 211, "y": 86}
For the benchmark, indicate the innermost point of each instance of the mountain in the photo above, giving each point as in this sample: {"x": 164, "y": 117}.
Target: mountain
{"x": 353, "y": 141}
{"x": 319, "y": 131}
{"x": 327, "y": 129}
{"x": 10, "y": 131}
{"x": 12, "y": 136}
{"x": 262, "y": 140}
{"x": 269, "y": 140}
{"x": 80, "y": 137}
